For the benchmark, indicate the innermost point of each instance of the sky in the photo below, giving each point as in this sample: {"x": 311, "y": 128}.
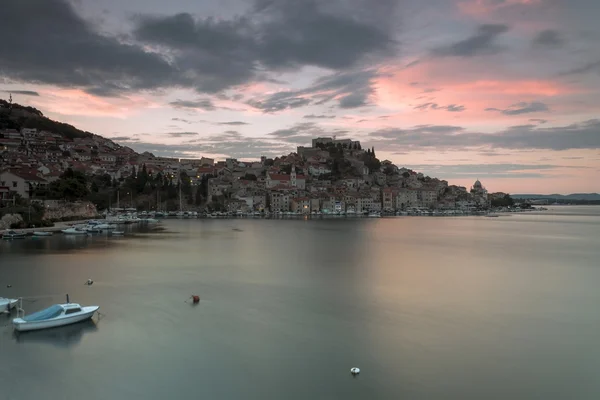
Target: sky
{"x": 504, "y": 91}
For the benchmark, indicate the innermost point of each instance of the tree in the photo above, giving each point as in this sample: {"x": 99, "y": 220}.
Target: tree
{"x": 94, "y": 188}
{"x": 249, "y": 177}
{"x": 72, "y": 185}
{"x": 184, "y": 181}
{"x": 406, "y": 174}
{"x": 141, "y": 180}
{"x": 505, "y": 201}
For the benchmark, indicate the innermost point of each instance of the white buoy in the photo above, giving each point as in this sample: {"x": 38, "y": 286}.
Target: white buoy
{"x": 355, "y": 371}
{"x": 89, "y": 282}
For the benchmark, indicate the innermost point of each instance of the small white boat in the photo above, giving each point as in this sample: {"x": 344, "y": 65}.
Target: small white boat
{"x": 374, "y": 215}
{"x": 41, "y": 233}
{"x": 74, "y": 231}
{"x": 54, "y": 316}
{"x": 117, "y": 233}
{"x": 7, "y": 304}
{"x": 8, "y": 235}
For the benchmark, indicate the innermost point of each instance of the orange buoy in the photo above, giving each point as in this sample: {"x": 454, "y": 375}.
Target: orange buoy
{"x": 195, "y": 299}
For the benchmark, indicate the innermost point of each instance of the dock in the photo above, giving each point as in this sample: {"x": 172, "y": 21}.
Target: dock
{"x": 58, "y": 226}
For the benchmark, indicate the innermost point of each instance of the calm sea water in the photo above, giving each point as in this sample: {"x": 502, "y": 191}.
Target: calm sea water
{"x": 428, "y": 308}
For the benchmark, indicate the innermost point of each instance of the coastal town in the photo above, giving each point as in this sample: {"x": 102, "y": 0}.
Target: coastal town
{"x": 327, "y": 176}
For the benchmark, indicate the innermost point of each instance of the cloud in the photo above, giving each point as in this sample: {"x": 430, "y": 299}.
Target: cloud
{"x": 313, "y": 116}
{"x": 300, "y": 133}
{"x": 279, "y": 102}
{"x": 548, "y": 38}
{"x": 21, "y": 92}
{"x": 180, "y": 134}
{"x": 584, "y": 69}
{"x": 203, "y": 104}
{"x": 45, "y": 41}
{"x": 483, "y": 42}
{"x": 522, "y": 108}
{"x": 435, "y": 106}
{"x": 538, "y": 120}
{"x": 226, "y": 144}
{"x": 351, "y": 89}
{"x": 583, "y": 135}
{"x": 355, "y": 100}
{"x": 185, "y": 121}
{"x": 233, "y": 123}
{"x": 123, "y": 139}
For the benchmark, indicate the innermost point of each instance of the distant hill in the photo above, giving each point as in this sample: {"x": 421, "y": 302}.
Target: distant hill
{"x": 16, "y": 116}
{"x": 574, "y": 196}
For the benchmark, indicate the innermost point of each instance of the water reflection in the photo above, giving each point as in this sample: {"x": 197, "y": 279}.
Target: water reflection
{"x": 65, "y": 336}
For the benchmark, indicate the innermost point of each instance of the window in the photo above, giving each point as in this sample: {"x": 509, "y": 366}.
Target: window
{"x": 14, "y": 184}
{"x": 72, "y": 310}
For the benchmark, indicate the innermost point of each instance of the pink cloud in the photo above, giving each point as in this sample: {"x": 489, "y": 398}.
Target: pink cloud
{"x": 78, "y": 102}
{"x": 442, "y": 85}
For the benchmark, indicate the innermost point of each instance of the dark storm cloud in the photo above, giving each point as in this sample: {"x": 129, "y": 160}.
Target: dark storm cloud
{"x": 21, "y": 92}
{"x": 303, "y": 32}
{"x": 45, "y": 41}
{"x": 483, "y": 42}
{"x": 204, "y": 104}
{"x": 435, "y": 106}
{"x": 522, "y": 108}
{"x": 548, "y": 38}
{"x": 584, "y": 135}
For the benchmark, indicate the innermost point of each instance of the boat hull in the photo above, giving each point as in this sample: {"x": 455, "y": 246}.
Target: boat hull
{"x": 7, "y": 304}
{"x": 86, "y": 313}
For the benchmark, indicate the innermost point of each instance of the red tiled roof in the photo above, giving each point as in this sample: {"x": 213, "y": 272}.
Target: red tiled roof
{"x": 26, "y": 175}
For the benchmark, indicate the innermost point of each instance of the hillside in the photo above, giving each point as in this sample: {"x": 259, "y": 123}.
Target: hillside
{"x": 16, "y": 116}
{"x": 573, "y": 196}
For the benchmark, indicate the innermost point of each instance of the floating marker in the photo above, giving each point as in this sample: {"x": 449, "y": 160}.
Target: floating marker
{"x": 355, "y": 371}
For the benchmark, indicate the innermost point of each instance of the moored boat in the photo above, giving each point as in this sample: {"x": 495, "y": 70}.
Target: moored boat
{"x": 42, "y": 233}
{"x": 74, "y": 231}
{"x": 7, "y": 304}
{"x": 13, "y": 235}
{"x": 54, "y": 316}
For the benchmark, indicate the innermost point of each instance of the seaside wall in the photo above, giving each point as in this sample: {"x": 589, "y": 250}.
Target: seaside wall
{"x": 57, "y": 210}
{"x": 10, "y": 219}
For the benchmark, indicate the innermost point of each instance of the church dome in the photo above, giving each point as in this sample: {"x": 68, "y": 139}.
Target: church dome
{"x": 477, "y": 184}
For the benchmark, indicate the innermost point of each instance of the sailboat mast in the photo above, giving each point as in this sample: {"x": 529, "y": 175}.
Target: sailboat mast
{"x": 179, "y": 180}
